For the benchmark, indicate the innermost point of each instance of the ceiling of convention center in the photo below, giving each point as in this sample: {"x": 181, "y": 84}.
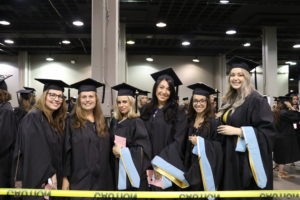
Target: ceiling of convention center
{"x": 40, "y": 26}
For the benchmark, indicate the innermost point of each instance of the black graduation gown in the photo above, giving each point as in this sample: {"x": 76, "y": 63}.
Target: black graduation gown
{"x": 20, "y": 113}
{"x": 255, "y": 112}
{"x": 40, "y": 151}
{"x": 287, "y": 147}
{"x": 213, "y": 148}
{"x": 138, "y": 143}
{"x": 168, "y": 139}
{"x": 8, "y": 129}
{"x": 87, "y": 158}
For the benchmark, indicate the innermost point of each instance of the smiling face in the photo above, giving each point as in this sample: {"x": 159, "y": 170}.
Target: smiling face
{"x": 54, "y": 99}
{"x": 163, "y": 92}
{"x": 123, "y": 104}
{"x": 199, "y": 103}
{"x": 236, "y": 78}
{"x": 88, "y": 100}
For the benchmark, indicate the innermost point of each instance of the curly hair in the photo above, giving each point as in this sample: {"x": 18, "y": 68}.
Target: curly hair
{"x": 5, "y": 96}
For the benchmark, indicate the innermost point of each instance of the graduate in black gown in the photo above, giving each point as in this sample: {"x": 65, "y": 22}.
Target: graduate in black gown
{"x": 40, "y": 152}
{"x": 8, "y": 129}
{"x": 127, "y": 125}
{"x": 201, "y": 123}
{"x": 287, "y": 147}
{"x": 142, "y": 99}
{"x": 247, "y": 119}
{"x": 87, "y": 151}
{"x": 26, "y": 100}
{"x": 166, "y": 125}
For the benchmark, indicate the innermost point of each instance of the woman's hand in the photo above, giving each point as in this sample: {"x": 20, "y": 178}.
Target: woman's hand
{"x": 116, "y": 151}
{"x": 193, "y": 139}
{"x": 54, "y": 182}
{"x": 229, "y": 130}
{"x": 65, "y": 184}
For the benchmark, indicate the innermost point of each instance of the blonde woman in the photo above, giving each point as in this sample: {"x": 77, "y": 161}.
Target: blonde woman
{"x": 131, "y": 141}
{"x": 41, "y": 132}
{"x": 87, "y": 151}
{"x": 247, "y": 119}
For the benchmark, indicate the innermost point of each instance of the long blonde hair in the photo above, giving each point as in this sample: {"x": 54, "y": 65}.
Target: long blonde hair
{"x": 80, "y": 118}
{"x": 234, "y": 98}
{"x": 131, "y": 114}
{"x": 57, "y": 118}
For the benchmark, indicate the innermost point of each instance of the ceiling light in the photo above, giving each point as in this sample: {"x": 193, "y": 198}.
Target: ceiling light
{"x": 130, "y": 42}
{"x": 8, "y": 41}
{"x": 149, "y": 59}
{"x": 224, "y": 1}
{"x": 73, "y": 61}
{"x": 161, "y": 24}
{"x": 247, "y": 44}
{"x": 1, "y": 50}
{"x": 196, "y": 60}
{"x": 49, "y": 59}
{"x": 291, "y": 79}
{"x": 291, "y": 63}
{"x": 185, "y": 43}
{"x": 66, "y": 42}
{"x": 78, "y": 23}
{"x": 5, "y": 23}
{"x": 296, "y": 46}
{"x": 231, "y": 32}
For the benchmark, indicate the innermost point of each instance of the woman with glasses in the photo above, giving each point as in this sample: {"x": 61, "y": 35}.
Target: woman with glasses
{"x": 249, "y": 132}
{"x": 87, "y": 151}
{"x": 203, "y": 157}
{"x": 39, "y": 160}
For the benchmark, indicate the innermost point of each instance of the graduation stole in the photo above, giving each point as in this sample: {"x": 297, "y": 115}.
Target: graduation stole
{"x": 127, "y": 167}
{"x": 249, "y": 141}
{"x": 169, "y": 171}
{"x": 205, "y": 168}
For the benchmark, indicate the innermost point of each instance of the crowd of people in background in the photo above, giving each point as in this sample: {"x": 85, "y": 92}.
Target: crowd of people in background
{"x": 151, "y": 144}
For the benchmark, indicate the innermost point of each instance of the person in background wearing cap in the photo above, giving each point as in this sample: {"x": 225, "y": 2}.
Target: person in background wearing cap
{"x": 8, "y": 129}
{"x": 26, "y": 100}
{"x": 185, "y": 105}
{"x": 203, "y": 156}
{"x": 247, "y": 119}
{"x": 142, "y": 99}
{"x": 39, "y": 156}
{"x": 87, "y": 151}
{"x": 131, "y": 141}
{"x": 294, "y": 100}
{"x": 166, "y": 125}
{"x": 286, "y": 147}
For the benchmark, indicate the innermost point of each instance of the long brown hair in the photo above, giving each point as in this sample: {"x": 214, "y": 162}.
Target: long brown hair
{"x": 80, "y": 117}
{"x": 4, "y": 96}
{"x": 26, "y": 104}
{"x": 56, "y": 118}
{"x": 276, "y": 112}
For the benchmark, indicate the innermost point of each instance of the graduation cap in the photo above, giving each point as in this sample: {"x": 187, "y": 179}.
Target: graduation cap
{"x": 53, "y": 84}
{"x": 24, "y": 93}
{"x": 125, "y": 90}
{"x": 29, "y": 88}
{"x": 143, "y": 93}
{"x": 185, "y": 98}
{"x": 88, "y": 85}
{"x": 291, "y": 94}
{"x": 201, "y": 89}
{"x": 167, "y": 73}
{"x": 240, "y": 62}
{"x": 284, "y": 98}
{"x": 3, "y": 85}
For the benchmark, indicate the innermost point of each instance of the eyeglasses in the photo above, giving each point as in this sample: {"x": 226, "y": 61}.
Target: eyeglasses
{"x": 53, "y": 96}
{"x": 202, "y": 101}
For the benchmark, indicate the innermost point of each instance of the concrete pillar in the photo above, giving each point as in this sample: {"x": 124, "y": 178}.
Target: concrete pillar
{"x": 269, "y": 58}
{"x": 221, "y": 82}
{"x": 23, "y": 66}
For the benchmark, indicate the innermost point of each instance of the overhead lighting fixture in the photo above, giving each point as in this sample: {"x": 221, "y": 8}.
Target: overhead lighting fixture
{"x": 78, "y": 23}
{"x": 150, "y": 59}
{"x": 247, "y": 44}
{"x": 73, "y": 61}
{"x": 8, "y": 41}
{"x": 130, "y": 42}
{"x": 185, "y": 43}
{"x": 291, "y": 63}
{"x": 50, "y": 59}
{"x": 66, "y": 42}
{"x": 161, "y": 24}
{"x": 4, "y": 22}
{"x": 296, "y": 46}
{"x": 196, "y": 60}
{"x": 224, "y": 1}
{"x": 291, "y": 79}
{"x": 231, "y": 32}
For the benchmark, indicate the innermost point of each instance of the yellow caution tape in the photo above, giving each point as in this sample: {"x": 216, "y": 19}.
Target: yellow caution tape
{"x": 161, "y": 194}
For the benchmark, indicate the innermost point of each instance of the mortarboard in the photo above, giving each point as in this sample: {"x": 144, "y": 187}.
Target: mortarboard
{"x": 125, "y": 90}
{"x": 3, "y": 85}
{"x": 185, "y": 98}
{"x": 24, "y": 93}
{"x": 291, "y": 94}
{"x": 284, "y": 98}
{"x": 29, "y": 88}
{"x": 53, "y": 84}
{"x": 143, "y": 93}
{"x": 239, "y": 62}
{"x": 201, "y": 89}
